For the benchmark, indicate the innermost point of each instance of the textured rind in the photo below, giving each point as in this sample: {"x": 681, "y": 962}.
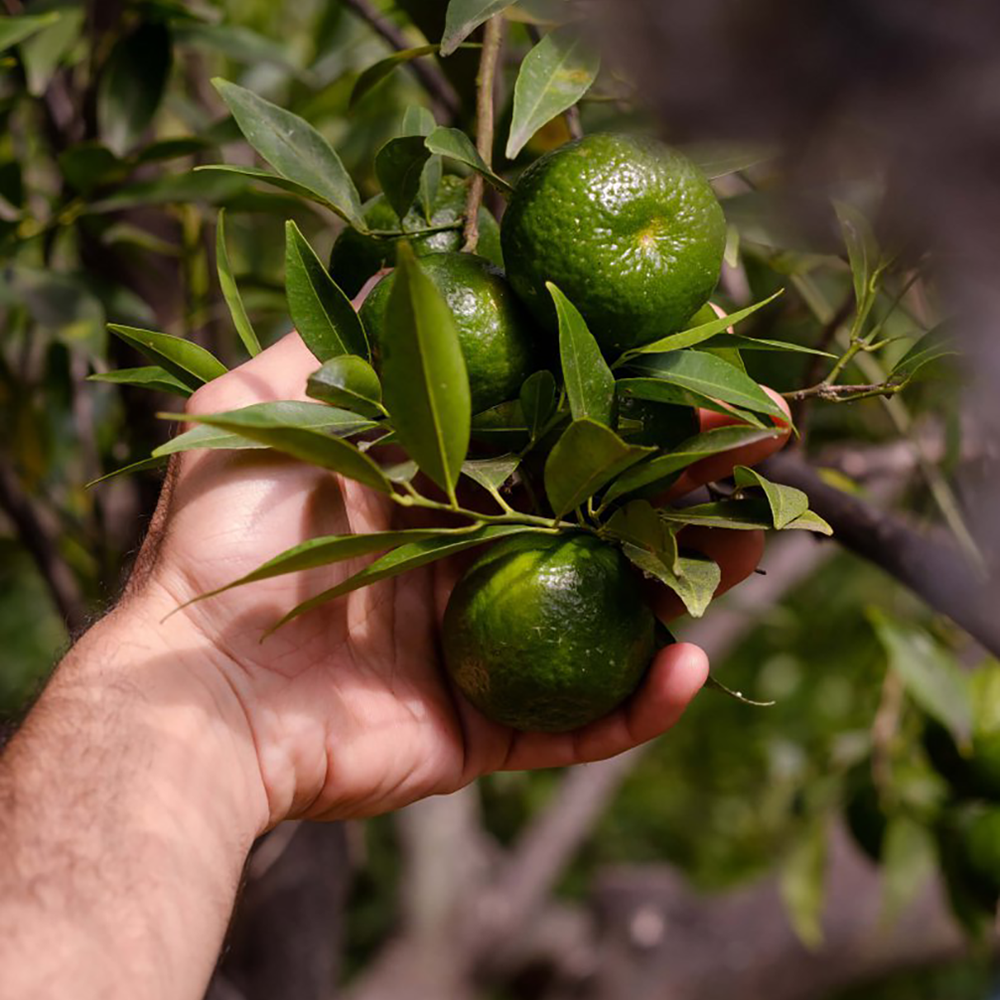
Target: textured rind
{"x": 629, "y": 229}
{"x": 499, "y": 341}
{"x": 356, "y": 257}
{"x": 548, "y": 633}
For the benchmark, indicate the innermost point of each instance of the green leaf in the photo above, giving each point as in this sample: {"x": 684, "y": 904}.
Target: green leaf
{"x": 350, "y": 382}
{"x": 539, "y": 397}
{"x": 425, "y": 382}
{"x": 399, "y": 167}
{"x": 700, "y": 333}
{"x": 330, "y": 549}
{"x": 308, "y": 445}
{"x": 908, "y": 862}
{"x": 150, "y": 377}
{"x": 717, "y": 159}
{"x": 376, "y": 73}
{"x": 464, "y": 16}
{"x": 737, "y": 342}
{"x": 933, "y": 345}
{"x": 322, "y": 313}
{"x": 190, "y": 363}
{"x": 862, "y": 249}
{"x": 585, "y": 458}
{"x": 44, "y": 52}
{"x": 405, "y": 558}
{"x": 256, "y": 174}
{"x": 242, "y": 44}
{"x": 809, "y": 521}
{"x": 786, "y": 502}
{"x": 694, "y": 582}
{"x": 417, "y": 120}
{"x": 659, "y": 391}
{"x": 738, "y": 515}
{"x": 458, "y": 146}
{"x": 281, "y": 413}
{"x": 491, "y": 473}
{"x": 126, "y": 470}
{"x": 554, "y": 75}
{"x": 230, "y": 292}
{"x": 659, "y": 469}
{"x": 802, "y": 882}
{"x": 132, "y": 84}
{"x": 15, "y": 29}
{"x": 710, "y": 376}
{"x": 295, "y": 149}
{"x": 638, "y": 524}
{"x": 590, "y": 386}
{"x": 930, "y": 674}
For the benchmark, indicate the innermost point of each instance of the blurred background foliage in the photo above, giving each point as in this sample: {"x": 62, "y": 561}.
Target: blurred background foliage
{"x": 106, "y": 109}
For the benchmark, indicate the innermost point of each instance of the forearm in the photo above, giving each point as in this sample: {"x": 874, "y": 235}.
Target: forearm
{"x": 128, "y": 802}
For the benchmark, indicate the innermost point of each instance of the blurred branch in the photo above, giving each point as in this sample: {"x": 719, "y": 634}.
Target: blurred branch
{"x": 41, "y": 544}
{"x": 428, "y": 74}
{"x": 485, "y": 86}
{"x": 931, "y": 567}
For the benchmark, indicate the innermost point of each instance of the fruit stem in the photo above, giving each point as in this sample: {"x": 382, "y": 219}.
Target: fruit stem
{"x": 485, "y": 83}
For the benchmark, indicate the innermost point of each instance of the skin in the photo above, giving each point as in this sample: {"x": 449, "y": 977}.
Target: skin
{"x": 163, "y": 746}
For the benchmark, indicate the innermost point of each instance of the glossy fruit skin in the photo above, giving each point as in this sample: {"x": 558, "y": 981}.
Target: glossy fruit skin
{"x": 548, "y": 633}
{"x": 499, "y": 341}
{"x": 629, "y": 229}
{"x": 356, "y": 257}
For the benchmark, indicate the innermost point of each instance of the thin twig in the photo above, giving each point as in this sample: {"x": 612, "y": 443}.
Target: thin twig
{"x": 485, "y": 81}
{"x": 844, "y": 393}
{"x": 815, "y": 368}
{"x": 432, "y": 79}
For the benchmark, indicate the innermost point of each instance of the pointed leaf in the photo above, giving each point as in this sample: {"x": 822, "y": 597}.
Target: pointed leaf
{"x": 695, "y": 582}
{"x": 14, "y": 30}
{"x": 132, "y": 84}
{"x": 702, "y": 332}
{"x": 204, "y": 438}
{"x": 585, "y": 458}
{"x": 377, "y": 72}
{"x": 659, "y": 391}
{"x": 308, "y": 445}
{"x": 464, "y": 16}
{"x": 250, "y": 173}
{"x": 862, "y": 249}
{"x": 190, "y": 363}
{"x": 706, "y": 374}
{"x": 929, "y": 672}
{"x": 322, "y": 313}
{"x": 934, "y": 344}
{"x": 554, "y": 75}
{"x": 660, "y": 468}
{"x": 150, "y": 377}
{"x": 809, "y": 521}
{"x": 330, "y": 549}
{"x": 739, "y": 515}
{"x": 405, "y": 558}
{"x": 739, "y": 342}
{"x": 638, "y": 524}
{"x": 425, "y": 382}
{"x": 231, "y": 292}
{"x": 590, "y": 386}
{"x": 350, "y": 382}
{"x": 399, "y": 167}
{"x": 458, "y": 146}
{"x": 491, "y": 473}
{"x": 294, "y": 148}
{"x": 126, "y": 470}
{"x": 417, "y": 120}
{"x": 786, "y": 502}
{"x": 539, "y": 396}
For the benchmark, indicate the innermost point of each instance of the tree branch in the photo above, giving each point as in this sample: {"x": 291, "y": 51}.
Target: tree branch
{"x": 485, "y": 81}
{"x": 845, "y": 393}
{"x": 37, "y": 539}
{"x": 931, "y": 567}
{"x": 432, "y": 79}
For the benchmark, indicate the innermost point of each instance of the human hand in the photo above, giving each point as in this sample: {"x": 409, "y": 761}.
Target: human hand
{"x": 347, "y": 708}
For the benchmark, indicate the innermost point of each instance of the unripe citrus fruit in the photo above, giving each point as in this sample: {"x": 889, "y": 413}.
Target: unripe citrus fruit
{"x": 629, "y": 229}
{"x": 497, "y": 337}
{"x": 356, "y": 257}
{"x": 548, "y": 632}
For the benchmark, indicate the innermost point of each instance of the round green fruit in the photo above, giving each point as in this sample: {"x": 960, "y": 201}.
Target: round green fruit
{"x": 628, "y": 229}
{"x": 356, "y": 257}
{"x": 548, "y": 632}
{"x": 498, "y": 339}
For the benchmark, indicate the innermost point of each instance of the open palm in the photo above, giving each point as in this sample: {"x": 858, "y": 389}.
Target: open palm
{"x": 350, "y": 711}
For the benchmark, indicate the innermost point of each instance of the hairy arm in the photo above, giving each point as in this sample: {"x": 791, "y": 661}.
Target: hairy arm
{"x": 128, "y": 803}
